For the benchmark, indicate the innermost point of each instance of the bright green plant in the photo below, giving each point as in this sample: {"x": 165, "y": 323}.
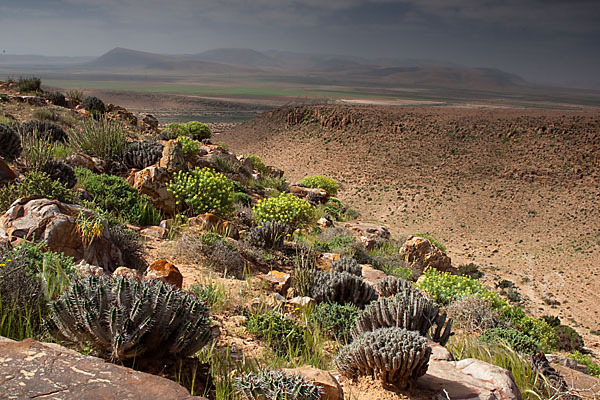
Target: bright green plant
{"x": 517, "y": 340}
{"x": 321, "y": 182}
{"x": 104, "y": 139}
{"x": 196, "y": 130}
{"x": 257, "y": 163}
{"x": 61, "y": 150}
{"x": 115, "y": 196}
{"x": 202, "y": 190}
{"x": 285, "y": 208}
{"x": 538, "y": 330}
{"x": 336, "y": 319}
{"x": 588, "y": 361}
{"x": 212, "y": 293}
{"x": 35, "y": 183}
{"x": 190, "y": 146}
{"x": 282, "y": 333}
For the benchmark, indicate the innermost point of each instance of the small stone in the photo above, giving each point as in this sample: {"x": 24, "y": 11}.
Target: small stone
{"x": 156, "y": 232}
{"x": 279, "y": 281}
{"x": 165, "y": 271}
{"x": 302, "y": 301}
{"x": 126, "y": 272}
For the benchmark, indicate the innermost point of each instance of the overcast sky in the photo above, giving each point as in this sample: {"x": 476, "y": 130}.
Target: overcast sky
{"x": 542, "y": 40}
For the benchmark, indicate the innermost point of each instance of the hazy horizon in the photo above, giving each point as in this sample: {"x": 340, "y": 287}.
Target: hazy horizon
{"x": 544, "y": 41}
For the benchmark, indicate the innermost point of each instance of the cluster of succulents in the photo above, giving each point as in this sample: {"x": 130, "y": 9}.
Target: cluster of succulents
{"x": 342, "y": 288}
{"x": 285, "y": 208}
{"x": 94, "y": 105}
{"x": 57, "y": 98}
{"x": 392, "y": 285}
{"x": 268, "y": 235}
{"x": 347, "y": 264}
{"x": 409, "y": 310}
{"x": 46, "y": 129}
{"x": 396, "y": 356}
{"x": 60, "y": 171}
{"x": 276, "y": 385}
{"x": 202, "y": 190}
{"x": 142, "y": 154}
{"x": 10, "y": 143}
{"x": 124, "y": 318}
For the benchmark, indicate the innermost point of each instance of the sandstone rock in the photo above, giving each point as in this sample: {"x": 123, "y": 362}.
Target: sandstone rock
{"x": 152, "y": 181}
{"x": 6, "y": 173}
{"x": 172, "y": 158}
{"x": 126, "y": 272}
{"x": 325, "y": 222}
{"x": 588, "y": 387}
{"x": 302, "y": 301}
{"x": 273, "y": 172}
{"x": 331, "y": 388}
{"x": 156, "y": 232}
{"x": 165, "y": 271}
{"x": 211, "y": 223}
{"x": 88, "y": 269}
{"x": 368, "y": 230}
{"x": 80, "y": 160}
{"x": 315, "y": 196}
{"x": 41, "y": 219}
{"x": 469, "y": 379}
{"x": 420, "y": 255}
{"x": 372, "y": 275}
{"x": 151, "y": 121}
{"x": 279, "y": 281}
{"x": 38, "y": 370}
{"x": 439, "y": 352}
{"x": 567, "y": 362}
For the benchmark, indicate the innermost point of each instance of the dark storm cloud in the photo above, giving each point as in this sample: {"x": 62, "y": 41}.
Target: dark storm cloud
{"x": 544, "y": 40}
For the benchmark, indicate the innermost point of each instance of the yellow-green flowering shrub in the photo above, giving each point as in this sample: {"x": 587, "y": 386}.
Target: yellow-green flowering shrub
{"x": 285, "y": 208}
{"x": 189, "y": 146}
{"x": 202, "y": 190}
{"x": 321, "y": 182}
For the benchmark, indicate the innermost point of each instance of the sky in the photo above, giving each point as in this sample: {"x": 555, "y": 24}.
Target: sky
{"x": 544, "y": 41}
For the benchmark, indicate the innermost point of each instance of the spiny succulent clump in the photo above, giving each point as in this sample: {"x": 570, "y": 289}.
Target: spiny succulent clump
{"x": 409, "y": 310}
{"x": 46, "y": 129}
{"x": 346, "y": 264}
{"x": 10, "y": 143}
{"x": 57, "y": 98}
{"x": 94, "y": 104}
{"x": 391, "y": 285}
{"x": 123, "y": 318}
{"x": 140, "y": 155}
{"x": 59, "y": 171}
{"x": 276, "y": 385}
{"x": 342, "y": 288}
{"x": 268, "y": 235}
{"x": 395, "y": 356}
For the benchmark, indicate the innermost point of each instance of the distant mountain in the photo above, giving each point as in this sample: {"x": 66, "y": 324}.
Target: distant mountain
{"x": 126, "y": 58}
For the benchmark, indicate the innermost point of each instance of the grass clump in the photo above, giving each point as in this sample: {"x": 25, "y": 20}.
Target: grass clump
{"x": 212, "y": 293}
{"x": 336, "y": 319}
{"x": 29, "y": 84}
{"x": 279, "y": 331}
{"x": 202, "y": 190}
{"x": 321, "y": 182}
{"x": 35, "y": 183}
{"x": 103, "y": 138}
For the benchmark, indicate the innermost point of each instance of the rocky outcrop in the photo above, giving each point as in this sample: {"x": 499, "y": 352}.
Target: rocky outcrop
{"x": 42, "y": 370}
{"x": 331, "y": 388}
{"x": 368, "y": 233}
{"x": 314, "y": 196}
{"x": 152, "y": 181}
{"x": 172, "y": 157}
{"x": 211, "y": 223}
{"x": 420, "y": 255}
{"x": 166, "y": 272}
{"x": 40, "y": 219}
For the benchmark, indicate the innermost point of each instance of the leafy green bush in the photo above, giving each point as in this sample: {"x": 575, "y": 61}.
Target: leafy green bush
{"x": 285, "y": 208}
{"x": 242, "y": 198}
{"x": 31, "y": 84}
{"x": 280, "y": 332}
{"x": 193, "y": 129}
{"x": 104, "y": 139}
{"x": 114, "y": 195}
{"x": 588, "y": 361}
{"x": 190, "y": 146}
{"x": 336, "y": 244}
{"x": 202, "y": 190}
{"x": 538, "y": 330}
{"x": 515, "y": 339}
{"x": 321, "y": 182}
{"x": 567, "y": 338}
{"x": 35, "y": 183}
{"x": 433, "y": 241}
{"x": 257, "y": 163}
{"x": 336, "y": 319}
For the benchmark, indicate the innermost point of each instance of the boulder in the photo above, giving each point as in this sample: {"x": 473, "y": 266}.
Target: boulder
{"x": 368, "y": 233}
{"x": 372, "y": 275}
{"x": 172, "y": 157}
{"x": 279, "y": 281}
{"x": 39, "y": 219}
{"x": 211, "y": 223}
{"x": 586, "y": 385}
{"x": 468, "y": 379}
{"x": 126, "y": 272}
{"x": 151, "y": 121}
{"x": 439, "y": 352}
{"x": 420, "y": 255}
{"x": 166, "y": 272}
{"x": 331, "y": 388}
{"x": 152, "y": 181}
{"x": 155, "y": 232}
{"x": 80, "y": 160}
{"x": 89, "y": 269}
{"x": 315, "y": 196}
{"x": 7, "y": 175}
{"x": 32, "y": 369}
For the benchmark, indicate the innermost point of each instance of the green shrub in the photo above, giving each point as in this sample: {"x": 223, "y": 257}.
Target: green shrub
{"x": 104, "y": 139}
{"x": 321, "y": 182}
{"x": 433, "y": 241}
{"x": 94, "y": 104}
{"x": 552, "y": 320}
{"x": 282, "y": 333}
{"x": 114, "y": 195}
{"x": 588, "y": 361}
{"x": 336, "y": 319}
{"x": 517, "y": 340}
{"x": 537, "y": 329}
{"x": 242, "y": 198}
{"x": 257, "y": 164}
{"x": 567, "y": 338}
{"x": 31, "y": 84}
{"x": 35, "y": 183}
{"x": 196, "y": 130}
{"x": 46, "y": 115}
{"x": 202, "y": 190}
{"x": 212, "y": 293}
{"x": 38, "y": 150}
{"x": 285, "y": 208}
{"x": 57, "y": 98}
{"x": 190, "y": 146}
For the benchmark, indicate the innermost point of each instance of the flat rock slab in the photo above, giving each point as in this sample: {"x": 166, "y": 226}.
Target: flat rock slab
{"x": 31, "y": 369}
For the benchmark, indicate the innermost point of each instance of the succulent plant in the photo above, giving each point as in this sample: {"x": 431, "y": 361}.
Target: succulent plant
{"x": 396, "y": 356}
{"x": 45, "y": 129}
{"x": 391, "y": 285}
{"x": 276, "y": 385}
{"x": 94, "y": 104}
{"x": 143, "y": 154}
{"x": 10, "y": 143}
{"x": 409, "y": 310}
{"x": 57, "y": 98}
{"x": 346, "y": 264}
{"x": 268, "y": 235}
{"x": 60, "y": 171}
{"x": 342, "y": 288}
{"x": 124, "y": 318}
